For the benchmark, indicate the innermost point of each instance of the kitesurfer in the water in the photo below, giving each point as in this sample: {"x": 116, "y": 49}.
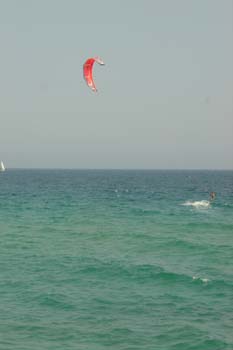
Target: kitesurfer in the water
{"x": 212, "y": 196}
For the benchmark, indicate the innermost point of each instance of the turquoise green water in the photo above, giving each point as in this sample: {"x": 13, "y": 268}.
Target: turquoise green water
{"x": 115, "y": 260}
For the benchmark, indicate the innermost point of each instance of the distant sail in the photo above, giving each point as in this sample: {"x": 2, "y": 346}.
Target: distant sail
{"x": 2, "y": 167}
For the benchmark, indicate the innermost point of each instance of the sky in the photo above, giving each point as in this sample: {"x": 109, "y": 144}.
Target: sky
{"x": 165, "y": 95}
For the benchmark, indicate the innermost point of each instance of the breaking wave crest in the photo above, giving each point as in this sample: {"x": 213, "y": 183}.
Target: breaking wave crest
{"x": 198, "y": 204}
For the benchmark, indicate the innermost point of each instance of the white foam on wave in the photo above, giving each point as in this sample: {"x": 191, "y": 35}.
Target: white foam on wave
{"x": 204, "y": 280}
{"x": 198, "y": 204}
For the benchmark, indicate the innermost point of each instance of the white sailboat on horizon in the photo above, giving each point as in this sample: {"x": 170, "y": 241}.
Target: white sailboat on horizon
{"x": 2, "y": 167}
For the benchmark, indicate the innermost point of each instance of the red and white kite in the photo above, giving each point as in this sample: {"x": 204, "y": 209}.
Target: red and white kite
{"x": 87, "y": 71}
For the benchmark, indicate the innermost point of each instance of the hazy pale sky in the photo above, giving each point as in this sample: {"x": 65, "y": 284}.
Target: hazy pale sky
{"x": 165, "y": 96}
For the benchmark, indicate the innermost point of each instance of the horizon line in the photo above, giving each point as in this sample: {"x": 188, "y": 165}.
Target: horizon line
{"x": 120, "y": 169}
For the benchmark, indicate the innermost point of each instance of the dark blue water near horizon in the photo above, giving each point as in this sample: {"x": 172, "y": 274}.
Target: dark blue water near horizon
{"x": 116, "y": 259}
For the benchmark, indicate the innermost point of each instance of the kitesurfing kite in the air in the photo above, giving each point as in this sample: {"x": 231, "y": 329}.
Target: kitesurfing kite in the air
{"x": 87, "y": 71}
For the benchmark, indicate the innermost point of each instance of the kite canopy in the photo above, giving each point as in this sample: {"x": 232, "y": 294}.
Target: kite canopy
{"x": 87, "y": 71}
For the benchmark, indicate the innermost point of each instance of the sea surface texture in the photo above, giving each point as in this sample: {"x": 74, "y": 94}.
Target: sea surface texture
{"x": 118, "y": 260}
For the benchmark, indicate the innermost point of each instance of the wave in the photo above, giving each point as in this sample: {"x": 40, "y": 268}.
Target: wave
{"x": 136, "y": 272}
{"x": 146, "y": 273}
{"x": 198, "y": 204}
{"x": 204, "y": 280}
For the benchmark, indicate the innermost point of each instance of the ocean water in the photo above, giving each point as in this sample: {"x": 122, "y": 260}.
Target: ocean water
{"x": 119, "y": 260}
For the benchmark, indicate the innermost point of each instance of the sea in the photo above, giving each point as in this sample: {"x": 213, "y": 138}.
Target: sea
{"x": 116, "y": 259}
